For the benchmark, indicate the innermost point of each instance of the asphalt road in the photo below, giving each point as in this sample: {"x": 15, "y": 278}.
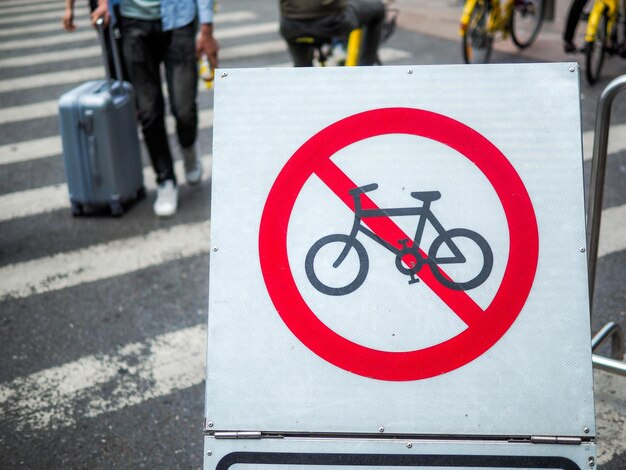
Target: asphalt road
{"x": 102, "y": 320}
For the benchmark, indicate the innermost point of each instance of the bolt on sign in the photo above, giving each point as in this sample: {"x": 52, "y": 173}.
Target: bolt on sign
{"x": 400, "y": 253}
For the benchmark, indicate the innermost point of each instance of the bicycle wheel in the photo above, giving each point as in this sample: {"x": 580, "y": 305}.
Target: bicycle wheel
{"x": 595, "y": 51}
{"x": 467, "y": 241}
{"x": 477, "y": 40}
{"x": 526, "y": 21}
{"x": 351, "y": 286}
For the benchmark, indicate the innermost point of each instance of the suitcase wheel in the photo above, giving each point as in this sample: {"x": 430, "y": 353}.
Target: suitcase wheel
{"x": 77, "y": 208}
{"x": 116, "y": 209}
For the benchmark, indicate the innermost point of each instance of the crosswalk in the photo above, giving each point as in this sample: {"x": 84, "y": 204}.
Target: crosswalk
{"x": 62, "y": 394}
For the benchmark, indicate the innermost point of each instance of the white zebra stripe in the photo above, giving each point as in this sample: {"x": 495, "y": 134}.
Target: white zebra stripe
{"x": 30, "y": 150}
{"x": 612, "y": 231}
{"x": 95, "y": 263}
{"x": 49, "y": 399}
{"x": 49, "y": 40}
{"x": 10, "y": 3}
{"x": 50, "y": 57}
{"x": 32, "y": 10}
{"x": 222, "y": 18}
{"x": 56, "y": 14}
{"x": 50, "y": 146}
{"x": 51, "y": 78}
{"x": 55, "y": 197}
{"x": 50, "y": 198}
{"x": 617, "y": 141}
{"x": 40, "y": 28}
{"x": 227, "y": 53}
{"x": 29, "y": 111}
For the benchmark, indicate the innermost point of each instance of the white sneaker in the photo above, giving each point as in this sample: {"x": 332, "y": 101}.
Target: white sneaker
{"x": 193, "y": 165}
{"x": 167, "y": 199}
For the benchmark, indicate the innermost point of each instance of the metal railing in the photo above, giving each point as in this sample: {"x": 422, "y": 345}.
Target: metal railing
{"x": 594, "y": 215}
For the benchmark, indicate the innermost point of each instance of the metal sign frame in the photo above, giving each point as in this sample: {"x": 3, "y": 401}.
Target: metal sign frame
{"x": 262, "y": 376}
{"x": 380, "y": 454}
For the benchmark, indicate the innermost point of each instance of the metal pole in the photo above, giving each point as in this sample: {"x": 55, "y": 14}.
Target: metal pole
{"x": 598, "y": 167}
{"x": 609, "y": 365}
{"x": 613, "y": 332}
{"x": 594, "y": 215}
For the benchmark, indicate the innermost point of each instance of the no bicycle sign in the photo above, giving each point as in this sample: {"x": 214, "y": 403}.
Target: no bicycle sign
{"x": 485, "y": 327}
{"x": 399, "y": 259}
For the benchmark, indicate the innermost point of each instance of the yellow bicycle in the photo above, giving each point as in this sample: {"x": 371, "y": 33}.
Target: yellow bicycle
{"x": 483, "y": 19}
{"x": 601, "y": 37}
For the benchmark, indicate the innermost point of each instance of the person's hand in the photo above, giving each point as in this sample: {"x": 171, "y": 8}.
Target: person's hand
{"x": 207, "y": 45}
{"x": 101, "y": 11}
{"x": 68, "y": 20}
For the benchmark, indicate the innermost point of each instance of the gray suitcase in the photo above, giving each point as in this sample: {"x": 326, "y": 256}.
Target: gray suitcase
{"x": 101, "y": 149}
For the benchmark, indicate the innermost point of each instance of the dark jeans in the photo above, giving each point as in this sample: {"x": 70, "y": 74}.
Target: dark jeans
{"x": 146, "y": 47}
{"x": 368, "y": 14}
{"x": 573, "y": 17}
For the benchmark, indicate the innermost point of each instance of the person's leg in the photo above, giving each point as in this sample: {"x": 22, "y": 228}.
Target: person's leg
{"x": 143, "y": 44}
{"x": 181, "y": 71}
{"x": 573, "y": 18}
{"x": 302, "y": 54}
{"x": 370, "y": 15}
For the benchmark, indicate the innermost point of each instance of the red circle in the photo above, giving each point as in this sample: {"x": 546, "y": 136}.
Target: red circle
{"x": 441, "y": 358}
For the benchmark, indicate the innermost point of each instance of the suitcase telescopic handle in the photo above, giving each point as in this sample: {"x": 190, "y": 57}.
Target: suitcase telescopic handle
{"x": 113, "y": 44}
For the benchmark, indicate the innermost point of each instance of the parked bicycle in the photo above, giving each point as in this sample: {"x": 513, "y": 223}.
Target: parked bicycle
{"x": 602, "y": 36}
{"x": 409, "y": 259}
{"x": 482, "y": 20}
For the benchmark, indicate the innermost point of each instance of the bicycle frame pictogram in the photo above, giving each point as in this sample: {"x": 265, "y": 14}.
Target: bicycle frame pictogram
{"x": 410, "y": 259}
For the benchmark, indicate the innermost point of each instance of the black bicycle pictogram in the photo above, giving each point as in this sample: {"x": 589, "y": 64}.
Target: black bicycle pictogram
{"x": 409, "y": 258}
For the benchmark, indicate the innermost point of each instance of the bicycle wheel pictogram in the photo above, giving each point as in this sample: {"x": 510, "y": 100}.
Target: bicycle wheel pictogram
{"x": 429, "y": 265}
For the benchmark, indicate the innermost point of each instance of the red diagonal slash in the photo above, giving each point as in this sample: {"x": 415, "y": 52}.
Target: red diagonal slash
{"x": 460, "y": 303}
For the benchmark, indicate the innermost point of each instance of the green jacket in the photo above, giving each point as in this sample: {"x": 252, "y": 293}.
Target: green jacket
{"x": 309, "y": 9}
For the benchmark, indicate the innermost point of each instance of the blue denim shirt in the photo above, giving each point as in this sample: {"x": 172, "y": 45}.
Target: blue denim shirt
{"x": 179, "y": 13}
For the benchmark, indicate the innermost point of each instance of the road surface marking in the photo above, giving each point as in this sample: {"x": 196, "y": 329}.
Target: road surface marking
{"x": 100, "y": 384}
{"x": 51, "y": 146}
{"x": 33, "y": 10}
{"x": 230, "y": 17}
{"x": 48, "y": 40}
{"x": 51, "y": 78}
{"x": 12, "y": 3}
{"x": 612, "y": 231}
{"x": 30, "y": 150}
{"x": 55, "y": 197}
{"x": 56, "y": 14}
{"x": 65, "y": 38}
{"x": 95, "y": 263}
{"x": 50, "y": 57}
{"x": 40, "y": 28}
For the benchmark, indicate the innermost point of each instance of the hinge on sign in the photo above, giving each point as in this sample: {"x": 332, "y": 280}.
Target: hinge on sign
{"x": 237, "y": 435}
{"x": 555, "y": 440}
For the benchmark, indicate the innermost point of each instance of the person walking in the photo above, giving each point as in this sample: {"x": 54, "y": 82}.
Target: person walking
{"x": 163, "y": 32}
{"x": 331, "y": 19}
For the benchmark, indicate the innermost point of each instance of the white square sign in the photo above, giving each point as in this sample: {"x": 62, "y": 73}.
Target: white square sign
{"x": 399, "y": 250}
